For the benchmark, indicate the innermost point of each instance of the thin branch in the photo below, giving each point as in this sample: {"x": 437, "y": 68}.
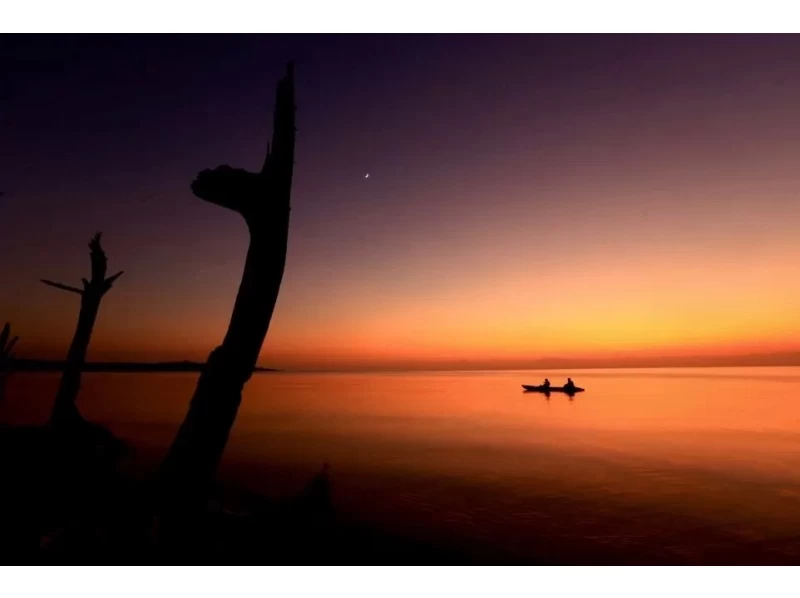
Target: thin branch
{"x": 98, "y": 258}
{"x": 63, "y": 287}
{"x": 110, "y": 280}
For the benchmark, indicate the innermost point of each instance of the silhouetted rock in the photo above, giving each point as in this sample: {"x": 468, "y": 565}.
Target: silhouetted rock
{"x": 316, "y": 499}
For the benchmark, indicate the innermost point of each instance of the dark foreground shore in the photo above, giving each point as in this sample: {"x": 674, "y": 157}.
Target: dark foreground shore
{"x": 89, "y": 500}
{"x": 72, "y": 500}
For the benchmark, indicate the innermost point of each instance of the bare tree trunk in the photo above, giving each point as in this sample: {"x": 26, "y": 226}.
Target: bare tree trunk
{"x": 6, "y": 356}
{"x": 64, "y": 409}
{"x": 263, "y": 200}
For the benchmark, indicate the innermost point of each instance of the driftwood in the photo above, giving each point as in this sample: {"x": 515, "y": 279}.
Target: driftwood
{"x": 263, "y": 200}
{"x": 65, "y": 409}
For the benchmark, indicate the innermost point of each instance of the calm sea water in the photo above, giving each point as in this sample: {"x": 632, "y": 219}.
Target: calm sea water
{"x": 663, "y": 465}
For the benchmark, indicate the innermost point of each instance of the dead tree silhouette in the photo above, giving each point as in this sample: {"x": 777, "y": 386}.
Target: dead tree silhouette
{"x": 263, "y": 200}
{"x": 7, "y": 343}
{"x": 64, "y": 410}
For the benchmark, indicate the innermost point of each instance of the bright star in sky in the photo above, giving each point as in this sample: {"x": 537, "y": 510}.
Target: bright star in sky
{"x": 366, "y": 176}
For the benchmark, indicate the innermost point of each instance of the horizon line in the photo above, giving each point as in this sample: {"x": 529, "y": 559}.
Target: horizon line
{"x": 782, "y": 359}
{"x": 515, "y": 369}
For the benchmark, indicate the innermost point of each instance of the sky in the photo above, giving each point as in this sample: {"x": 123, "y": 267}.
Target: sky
{"x": 539, "y": 199}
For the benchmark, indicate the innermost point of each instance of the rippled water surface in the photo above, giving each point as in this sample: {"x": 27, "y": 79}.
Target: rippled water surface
{"x": 663, "y": 465}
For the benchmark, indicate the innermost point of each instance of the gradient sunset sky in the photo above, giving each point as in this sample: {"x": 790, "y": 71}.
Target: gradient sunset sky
{"x": 581, "y": 198}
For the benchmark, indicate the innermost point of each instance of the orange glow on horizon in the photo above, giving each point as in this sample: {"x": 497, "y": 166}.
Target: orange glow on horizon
{"x": 659, "y": 303}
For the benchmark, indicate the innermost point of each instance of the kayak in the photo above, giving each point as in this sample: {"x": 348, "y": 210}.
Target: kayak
{"x": 529, "y": 388}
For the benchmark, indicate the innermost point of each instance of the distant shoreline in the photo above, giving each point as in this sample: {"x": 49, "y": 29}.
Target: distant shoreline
{"x": 42, "y": 365}
{"x": 533, "y": 368}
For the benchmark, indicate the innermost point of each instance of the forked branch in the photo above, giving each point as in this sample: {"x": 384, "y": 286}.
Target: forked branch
{"x": 99, "y": 285}
{"x": 63, "y": 287}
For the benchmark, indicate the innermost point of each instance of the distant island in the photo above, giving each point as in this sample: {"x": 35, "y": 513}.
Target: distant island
{"x": 41, "y": 365}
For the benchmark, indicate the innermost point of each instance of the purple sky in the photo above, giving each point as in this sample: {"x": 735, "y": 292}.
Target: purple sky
{"x": 492, "y": 159}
